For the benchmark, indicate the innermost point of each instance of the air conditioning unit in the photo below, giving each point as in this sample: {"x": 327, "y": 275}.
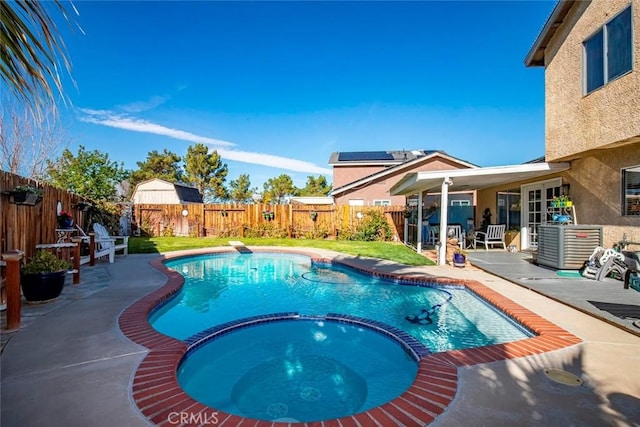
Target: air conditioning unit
{"x": 567, "y": 246}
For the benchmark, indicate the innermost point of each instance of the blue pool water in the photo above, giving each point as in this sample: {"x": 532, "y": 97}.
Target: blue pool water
{"x": 297, "y": 370}
{"x": 224, "y": 287}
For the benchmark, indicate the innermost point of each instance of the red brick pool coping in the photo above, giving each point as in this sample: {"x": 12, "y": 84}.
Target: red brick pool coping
{"x": 160, "y": 398}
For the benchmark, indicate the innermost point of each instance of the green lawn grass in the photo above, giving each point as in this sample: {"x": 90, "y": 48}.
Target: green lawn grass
{"x": 382, "y": 250}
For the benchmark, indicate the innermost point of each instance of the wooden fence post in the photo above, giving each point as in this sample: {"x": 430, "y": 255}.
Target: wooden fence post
{"x": 14, "y": 303}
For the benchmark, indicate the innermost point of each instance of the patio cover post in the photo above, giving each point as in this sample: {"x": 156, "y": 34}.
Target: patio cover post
{"x": 419, "y": 222}
{"x": 444, "y": 212}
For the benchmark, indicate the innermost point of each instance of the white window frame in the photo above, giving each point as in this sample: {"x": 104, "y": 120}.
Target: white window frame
{"x": 356, "y": 202}
{"x": 461, "y": 202}
{"x": 605, "y": 53}
{"x": 382, "y": 203}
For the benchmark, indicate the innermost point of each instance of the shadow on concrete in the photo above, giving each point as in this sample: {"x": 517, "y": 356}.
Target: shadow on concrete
{"x": 518, "y": 392}
{"x": 623, "y": 311}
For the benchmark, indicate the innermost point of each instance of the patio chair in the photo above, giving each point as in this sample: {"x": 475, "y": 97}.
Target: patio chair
{"x": 111, "y": 243}
{"x": 434, "y": 233}
{"x": 493, "y": 236}
{"x": 102, "y": 247}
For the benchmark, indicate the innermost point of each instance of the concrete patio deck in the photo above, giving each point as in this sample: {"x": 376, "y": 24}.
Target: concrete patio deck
{"x": 71, "y": 365}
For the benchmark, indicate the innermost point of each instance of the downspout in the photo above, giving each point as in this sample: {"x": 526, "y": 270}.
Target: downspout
{"x": 444, "y": 213}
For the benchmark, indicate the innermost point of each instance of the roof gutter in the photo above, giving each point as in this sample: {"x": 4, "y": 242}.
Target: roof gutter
{"x": 535, "y": 57}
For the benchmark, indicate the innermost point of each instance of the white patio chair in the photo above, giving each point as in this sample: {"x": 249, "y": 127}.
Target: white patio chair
{"x": 111, "y": 243}
{"x": 434, "y": 233}
{"x": 102, "y": 246}
{"x": 493, "y": 236}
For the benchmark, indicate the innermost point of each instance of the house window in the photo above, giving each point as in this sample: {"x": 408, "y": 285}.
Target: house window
{"x": 508, "y": 208}
{"x": 461, "y": 203}
{"x": 382, "y": 203}
{"x": 607, "y": 53}
{"x": 631, "y": 191}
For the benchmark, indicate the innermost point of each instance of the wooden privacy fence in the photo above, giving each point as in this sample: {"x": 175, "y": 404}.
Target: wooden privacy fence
{"x": 25, "y": 226}
{"x": 259, "y": 220}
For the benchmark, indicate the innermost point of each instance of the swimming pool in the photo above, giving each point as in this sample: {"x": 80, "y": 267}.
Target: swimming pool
{"x": 298, "y": 369}
{"x": 157, "y": 393}
{"x": 220, "y": 288}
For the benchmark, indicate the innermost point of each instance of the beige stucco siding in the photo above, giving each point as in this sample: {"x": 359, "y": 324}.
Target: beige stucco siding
{"x": 343, "y": 175}
{"x": 576, "y": 123}
{"x": 596, "y": 190}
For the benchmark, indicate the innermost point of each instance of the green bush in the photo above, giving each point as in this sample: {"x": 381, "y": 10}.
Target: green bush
{"x": 45, "y": 262}
{"x": 373, "y": 227}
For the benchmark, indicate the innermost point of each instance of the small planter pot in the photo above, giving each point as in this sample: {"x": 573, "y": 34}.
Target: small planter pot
{"x": 459, "y": 260}
{"x": 65, "y": 223}
{"x": 41, "y": 287}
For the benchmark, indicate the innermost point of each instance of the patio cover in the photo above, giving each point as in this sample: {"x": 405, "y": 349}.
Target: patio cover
{"x": 444, "y": 181}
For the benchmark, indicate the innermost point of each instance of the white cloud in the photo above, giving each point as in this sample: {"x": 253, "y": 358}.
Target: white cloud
{"x": 121, "y": 121}
{"x": 107, "y": 118}
{"x": 140, "y": 106}
{"x": 273, "y": 161}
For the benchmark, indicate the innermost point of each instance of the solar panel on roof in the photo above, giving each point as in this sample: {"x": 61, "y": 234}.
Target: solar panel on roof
{"x": 356, "y": 156}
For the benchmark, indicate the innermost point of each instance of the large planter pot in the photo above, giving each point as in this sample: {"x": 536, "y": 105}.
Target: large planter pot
{"x": 40, "y": 287}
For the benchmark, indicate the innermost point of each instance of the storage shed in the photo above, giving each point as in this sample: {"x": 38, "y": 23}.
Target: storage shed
{"x": 159, "y": 192}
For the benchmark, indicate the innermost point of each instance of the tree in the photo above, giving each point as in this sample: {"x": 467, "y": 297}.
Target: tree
{"x": 165, "y": 165}
{"x": 31, "y": 51}
{"x": 206, "y": 172}
{"x": 240, "y": 189}
{"x": 27, "y": 141}
{"x": 315, "y": 187}
{"x": 276, "y": 189}
{"x": 89, "y": 174}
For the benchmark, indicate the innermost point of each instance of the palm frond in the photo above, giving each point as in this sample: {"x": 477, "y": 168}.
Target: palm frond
{"x": 32, "y": 50}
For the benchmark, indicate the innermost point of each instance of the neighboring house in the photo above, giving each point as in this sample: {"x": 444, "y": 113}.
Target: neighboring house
{"x": 591, "y": 54}
{"x": 363, "y": 178}
{"x": 159, "y": 192}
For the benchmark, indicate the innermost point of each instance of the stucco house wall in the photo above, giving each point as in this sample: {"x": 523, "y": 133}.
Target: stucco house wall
{"x": 379, "y": 189}
{"x": 576, "y": 123}
{"x": 343, "y": 175}
{"x": 595, "y": 189}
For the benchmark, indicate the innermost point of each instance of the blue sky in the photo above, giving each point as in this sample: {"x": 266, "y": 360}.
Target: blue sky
{"x": 277, "y": 87}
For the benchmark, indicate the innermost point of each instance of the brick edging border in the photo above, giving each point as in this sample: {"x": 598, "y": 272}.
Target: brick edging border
{"x": 160, "y": 398}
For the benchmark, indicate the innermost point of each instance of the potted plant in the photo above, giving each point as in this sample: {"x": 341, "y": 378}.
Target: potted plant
{"x": 459, "y": 257}
{"x": 65, "y": 220}
{"x": 268, "y": 215}
{"x": 25, "y": 195}
{"x": 42, "y": 277}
